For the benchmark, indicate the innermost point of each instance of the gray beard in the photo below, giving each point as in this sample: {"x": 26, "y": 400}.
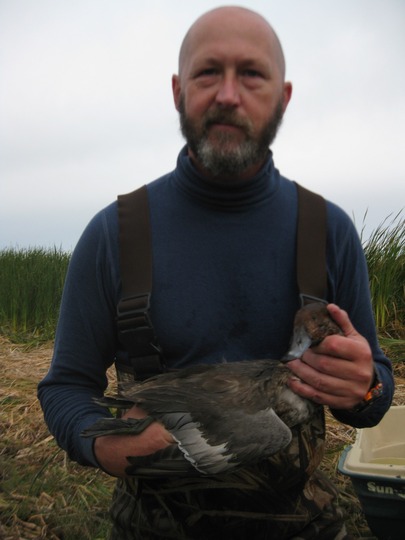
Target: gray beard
{"x": 223, "y": 158}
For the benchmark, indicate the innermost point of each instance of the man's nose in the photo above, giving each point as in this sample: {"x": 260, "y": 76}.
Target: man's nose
{"x": 228, "y": 92}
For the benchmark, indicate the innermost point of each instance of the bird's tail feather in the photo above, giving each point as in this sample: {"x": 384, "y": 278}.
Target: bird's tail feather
{"x": 113, "y": 402}
{"x": 163, "y": 463}
{"x": 117, "y": 426}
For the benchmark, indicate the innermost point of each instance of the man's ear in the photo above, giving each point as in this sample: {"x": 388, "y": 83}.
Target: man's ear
{"x": 176, "y": 89}
{"x": 287, "y": 92}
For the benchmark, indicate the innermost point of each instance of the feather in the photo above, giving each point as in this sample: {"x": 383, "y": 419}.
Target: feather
{"x": 222, "y": 416}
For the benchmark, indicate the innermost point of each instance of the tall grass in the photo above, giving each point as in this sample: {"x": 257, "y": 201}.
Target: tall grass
{"x": 385, "y": 254}
{"x": 31, "y": 283}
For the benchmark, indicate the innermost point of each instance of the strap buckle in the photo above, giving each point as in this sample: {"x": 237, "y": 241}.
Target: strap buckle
{"x": 135, "y": 329}
{"x": 133, "y": 312}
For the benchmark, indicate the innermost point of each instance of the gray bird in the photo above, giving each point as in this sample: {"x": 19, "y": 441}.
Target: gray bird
{"x": 222, "y": 416}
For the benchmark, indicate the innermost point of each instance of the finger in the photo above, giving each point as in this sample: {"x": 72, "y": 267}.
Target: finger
{"x": 339, "y": 398}
{"x": 326, "y": 378}
{"x": 342, "y": 319}
{"x": 328, "y": 360}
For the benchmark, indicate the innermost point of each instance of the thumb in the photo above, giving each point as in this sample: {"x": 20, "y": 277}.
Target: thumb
{"x": 341, "y": 318}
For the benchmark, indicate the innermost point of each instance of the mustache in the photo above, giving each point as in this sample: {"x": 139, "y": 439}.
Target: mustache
{"x": 227, "y": 117}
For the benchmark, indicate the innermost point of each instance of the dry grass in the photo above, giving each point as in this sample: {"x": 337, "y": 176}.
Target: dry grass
{"x": 45, "y": 496}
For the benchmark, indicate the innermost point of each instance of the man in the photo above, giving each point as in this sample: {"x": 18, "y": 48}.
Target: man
{"x": 223, "y": 233}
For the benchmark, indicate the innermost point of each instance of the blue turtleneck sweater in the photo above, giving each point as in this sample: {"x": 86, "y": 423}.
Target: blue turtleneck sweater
{"x": 224, "y": 287}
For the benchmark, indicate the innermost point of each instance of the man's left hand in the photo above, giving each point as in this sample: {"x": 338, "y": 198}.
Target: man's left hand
{"x": 339, "y": 371}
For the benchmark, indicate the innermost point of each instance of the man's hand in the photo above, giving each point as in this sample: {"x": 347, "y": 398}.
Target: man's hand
{"x": 111, "y": 451}
{"x": 339, "y": 371}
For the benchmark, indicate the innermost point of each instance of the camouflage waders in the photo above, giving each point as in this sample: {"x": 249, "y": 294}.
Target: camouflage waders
{"x": 284, "y": 497}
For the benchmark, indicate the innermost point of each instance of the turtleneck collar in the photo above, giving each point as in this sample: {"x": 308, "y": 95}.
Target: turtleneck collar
{"x": 230, "y": 197}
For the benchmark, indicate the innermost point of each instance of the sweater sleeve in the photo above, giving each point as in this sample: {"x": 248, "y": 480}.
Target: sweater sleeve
{"x": 85, "y": 341}
{"x": 349, "y": 288}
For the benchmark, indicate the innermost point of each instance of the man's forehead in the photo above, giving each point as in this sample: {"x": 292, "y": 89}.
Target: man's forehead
{"x": 226, "y": 29}
{"x": 232, "y": 54}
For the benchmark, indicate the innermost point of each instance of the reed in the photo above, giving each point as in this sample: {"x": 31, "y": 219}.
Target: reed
{"x": 385, "y": 254}
{"x": 31, "y": 283}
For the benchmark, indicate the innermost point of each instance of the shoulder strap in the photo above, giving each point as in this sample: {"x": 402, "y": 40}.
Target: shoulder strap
{"x": 311, "y": 246}
{"x": 135, "y": 328}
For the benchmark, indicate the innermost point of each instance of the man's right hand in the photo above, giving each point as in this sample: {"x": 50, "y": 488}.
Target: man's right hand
{"x": 111, "y": 451}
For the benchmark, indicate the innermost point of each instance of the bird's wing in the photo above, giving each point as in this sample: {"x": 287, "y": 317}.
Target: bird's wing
{"x": 220, "y": 415}
{"x": 222, "y": 442}
{"x": 216, "y": 442}
{"x": 215, "y": 446}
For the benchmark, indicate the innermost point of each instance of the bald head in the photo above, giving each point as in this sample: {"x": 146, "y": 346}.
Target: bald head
{"x": 241, "y": 21}
{"x": 230, "y": 92}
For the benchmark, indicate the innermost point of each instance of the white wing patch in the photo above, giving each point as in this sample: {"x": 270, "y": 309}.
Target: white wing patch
{"x": 204, "y": 457}
{"x": 246, "y": 437}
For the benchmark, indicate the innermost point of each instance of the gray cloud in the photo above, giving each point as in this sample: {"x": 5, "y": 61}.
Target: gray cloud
{"x": 86, "y": 109}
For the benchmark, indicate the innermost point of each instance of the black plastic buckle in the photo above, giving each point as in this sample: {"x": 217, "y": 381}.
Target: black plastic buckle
{"x": 133, "y": 312}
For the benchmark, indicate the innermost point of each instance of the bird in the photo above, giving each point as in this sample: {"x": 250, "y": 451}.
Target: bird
{"x": 221, "y": 416}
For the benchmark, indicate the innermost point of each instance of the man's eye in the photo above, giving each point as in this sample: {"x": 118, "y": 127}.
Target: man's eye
{"x": 252, "y": 73}
{"x": 207, "y": 72}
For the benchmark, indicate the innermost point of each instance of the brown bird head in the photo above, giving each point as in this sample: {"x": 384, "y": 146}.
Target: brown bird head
{"x": 312, "y": 323}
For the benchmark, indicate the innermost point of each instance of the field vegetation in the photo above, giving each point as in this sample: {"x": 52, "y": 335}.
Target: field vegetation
{"x": 31, "y": 283}
{"x": 45, "y": 496}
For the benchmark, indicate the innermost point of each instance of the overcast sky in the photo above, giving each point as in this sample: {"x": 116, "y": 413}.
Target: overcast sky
{"x": 86, "y": 110}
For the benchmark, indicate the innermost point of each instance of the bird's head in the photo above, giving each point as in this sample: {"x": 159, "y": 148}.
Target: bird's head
{"x": 312, "y": 324}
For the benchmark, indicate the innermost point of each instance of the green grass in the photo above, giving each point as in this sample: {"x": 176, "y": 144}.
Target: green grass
{"x": 385, "y": 254}
{"x": 31, "y": 283}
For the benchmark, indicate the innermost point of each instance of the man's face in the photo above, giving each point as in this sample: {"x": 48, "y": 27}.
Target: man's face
{"x": 231, "y": 96}
{"x": 225, "y": 153}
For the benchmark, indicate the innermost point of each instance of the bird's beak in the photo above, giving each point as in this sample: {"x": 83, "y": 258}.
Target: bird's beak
{"x": 300, "y": 343}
